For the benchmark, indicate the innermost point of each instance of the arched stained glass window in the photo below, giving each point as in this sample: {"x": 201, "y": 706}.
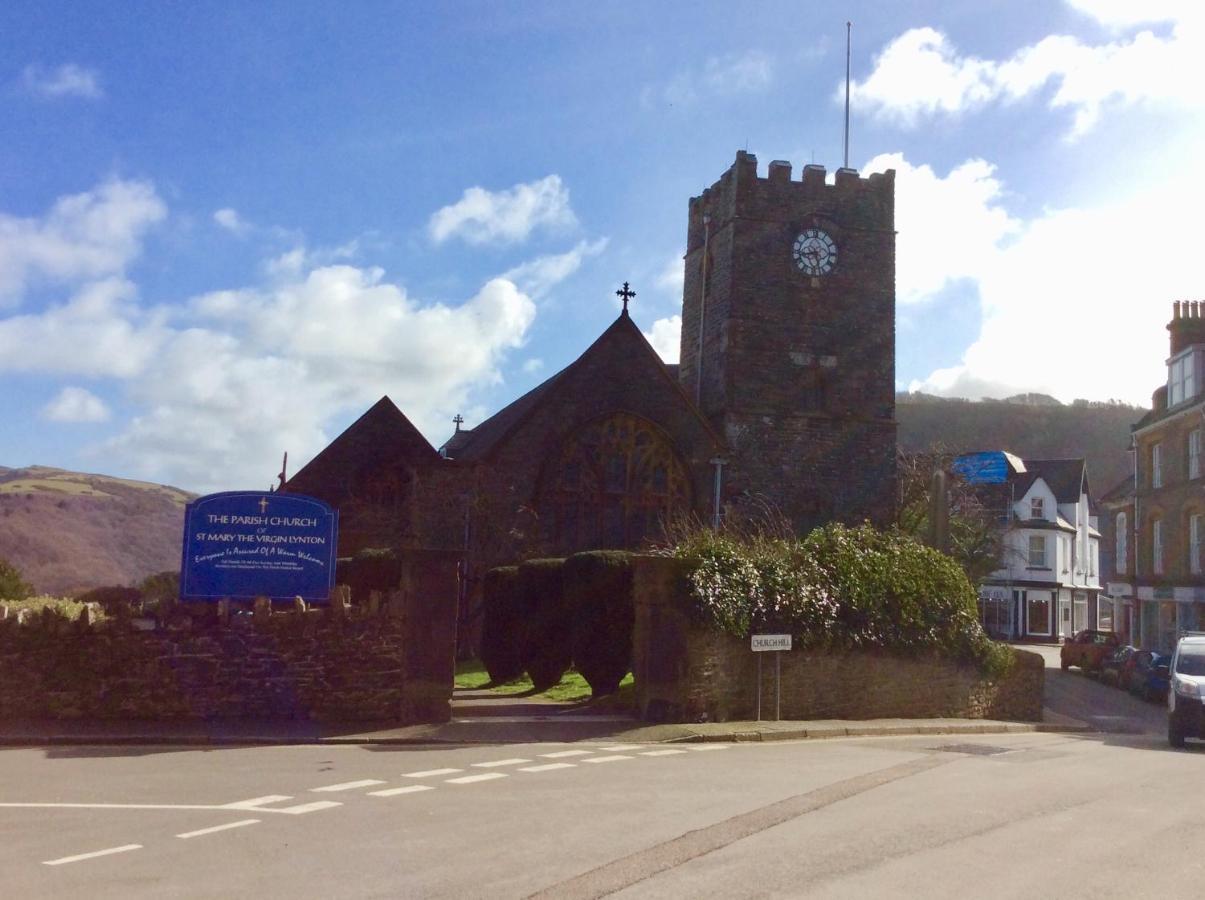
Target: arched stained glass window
{"x": 612, "y": 484}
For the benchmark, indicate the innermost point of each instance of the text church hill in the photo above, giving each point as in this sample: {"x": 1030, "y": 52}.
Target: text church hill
{"x": 783, "y": 398}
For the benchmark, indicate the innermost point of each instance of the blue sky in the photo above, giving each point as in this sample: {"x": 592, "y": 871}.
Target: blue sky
{"x": 227, "y": 229}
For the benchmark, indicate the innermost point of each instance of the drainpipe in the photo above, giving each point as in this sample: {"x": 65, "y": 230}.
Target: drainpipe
{"x": 719, "y": 463}
{"x": 703, "y": 318}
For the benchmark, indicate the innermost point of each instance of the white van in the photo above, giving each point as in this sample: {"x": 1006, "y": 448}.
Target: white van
{"x": 1186, "y": 690}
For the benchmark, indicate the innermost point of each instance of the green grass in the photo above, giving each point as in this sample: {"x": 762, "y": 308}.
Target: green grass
{"x": 471, "y": 674}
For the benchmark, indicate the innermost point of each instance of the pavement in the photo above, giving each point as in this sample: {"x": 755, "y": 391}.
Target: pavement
{"x": 483, "y": 717}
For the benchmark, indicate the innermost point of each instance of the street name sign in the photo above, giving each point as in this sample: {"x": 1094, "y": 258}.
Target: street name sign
{"x": 771, "y": 642}
{"x": 245, "y": 544}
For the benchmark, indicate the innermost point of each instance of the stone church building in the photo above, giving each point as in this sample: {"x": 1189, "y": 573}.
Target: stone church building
{"x": 784, "y": 399}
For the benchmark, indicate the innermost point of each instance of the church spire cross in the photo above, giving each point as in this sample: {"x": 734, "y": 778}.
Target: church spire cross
{"x": 626, "y": 294}
{"x": 458, "y": 420}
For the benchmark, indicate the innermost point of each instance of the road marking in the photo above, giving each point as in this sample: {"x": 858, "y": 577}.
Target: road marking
{"x": 408, "y": 789}
{"x": 305, "y": 808}
{"x": 563, "y": 753}
{"x": 346, "y": 786}
{"x": 471, "y": 779}
{"x": 107, "y": 806}
{"x": 548, "y": 767}
{"x": 620, "y": 747}
{"x": 70, "y": 859}
{"x": 501, "y": 762}
{"x": 701, "y": 747}
{"x": 431, "y": 773}
{"x": 217, "y": 828}
{"x": 661, "y": 752}
{"x": 606, "y": 759}
{"x": 257, "y": 801}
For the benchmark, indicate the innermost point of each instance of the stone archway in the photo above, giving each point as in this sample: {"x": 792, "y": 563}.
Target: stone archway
{"x": 612, "y": 484}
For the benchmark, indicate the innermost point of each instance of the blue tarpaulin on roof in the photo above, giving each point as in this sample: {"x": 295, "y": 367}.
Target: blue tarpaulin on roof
{"x": 988, "y": 467}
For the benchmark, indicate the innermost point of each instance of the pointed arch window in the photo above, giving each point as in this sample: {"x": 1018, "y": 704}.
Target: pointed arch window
{"x": 613, "y": 483}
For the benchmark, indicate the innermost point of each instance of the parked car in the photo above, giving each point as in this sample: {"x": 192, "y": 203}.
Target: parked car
{"x": 1150, "y": 676}
{"x": 1116, "y": 668}
{"x": 1088, "y": 649}
{"x": 1186, "y": 699}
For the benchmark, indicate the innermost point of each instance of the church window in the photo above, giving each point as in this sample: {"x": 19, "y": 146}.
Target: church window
{"x": 612, "y": 484}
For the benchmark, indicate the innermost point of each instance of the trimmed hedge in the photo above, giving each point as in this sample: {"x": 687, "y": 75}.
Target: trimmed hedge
{"x": 371, "y": 569}
{"x": 844, "y": 589}
{"x": 598, "y": 596}
{"x": 502, "y": 627}
{"x": 547, "y": 633}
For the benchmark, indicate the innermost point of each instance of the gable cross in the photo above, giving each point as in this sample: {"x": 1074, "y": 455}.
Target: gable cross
{"x": 458, "y": 419}
{"x": 626, "y": 294}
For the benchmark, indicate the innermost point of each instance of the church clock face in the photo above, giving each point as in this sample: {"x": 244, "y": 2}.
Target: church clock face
{"x": 815, "y": 252}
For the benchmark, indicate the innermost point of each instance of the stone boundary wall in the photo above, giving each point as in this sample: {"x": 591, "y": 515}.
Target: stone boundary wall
{"x": 687, "y": 673}
{"x": 392, "y": 659}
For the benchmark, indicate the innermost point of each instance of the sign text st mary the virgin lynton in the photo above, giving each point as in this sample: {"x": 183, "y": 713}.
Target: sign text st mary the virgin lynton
{"x": 243, "y": 544}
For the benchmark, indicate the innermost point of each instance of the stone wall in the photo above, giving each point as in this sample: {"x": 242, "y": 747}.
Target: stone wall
{"x": 687, "y": 673}
{"x": 390, "y": 658}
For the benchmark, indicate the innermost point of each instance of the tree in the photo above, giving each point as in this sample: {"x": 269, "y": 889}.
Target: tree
{"x": 974, "y": 536}
{"x": 12, "y": 585}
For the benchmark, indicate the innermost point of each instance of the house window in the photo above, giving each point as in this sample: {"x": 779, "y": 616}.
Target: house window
{"x": 1194, "y": 544}
{"x": 1181, "y": 379}
{"x": 1066, "y": 548}
{"x": 1037, "y": 551}
{"x": 1194, "y": 453}
{"x": 1156, "y": 465}
{"x": 1035, "y": 508}
{"x": 1157, "y": 546}
{"x": 1120, "y": 562}
{"x": 1093, "y": 550}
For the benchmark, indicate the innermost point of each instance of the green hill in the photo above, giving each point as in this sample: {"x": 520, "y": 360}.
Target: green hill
{"x": 1032, "y": 425}
{"x": 70, "y": 531}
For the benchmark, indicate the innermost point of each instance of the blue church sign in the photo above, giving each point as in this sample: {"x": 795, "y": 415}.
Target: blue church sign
{"x": 243, "y": 544}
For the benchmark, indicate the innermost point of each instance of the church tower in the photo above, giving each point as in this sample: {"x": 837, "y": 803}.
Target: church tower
{"x": 788, "y": 338}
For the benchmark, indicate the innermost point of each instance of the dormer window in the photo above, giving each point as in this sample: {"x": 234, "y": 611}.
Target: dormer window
{"x": 1036, "y": 510}
{"x": 1182, "y": 378}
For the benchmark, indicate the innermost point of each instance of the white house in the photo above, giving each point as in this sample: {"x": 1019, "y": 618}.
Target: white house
{"x": 1048, "y": 583}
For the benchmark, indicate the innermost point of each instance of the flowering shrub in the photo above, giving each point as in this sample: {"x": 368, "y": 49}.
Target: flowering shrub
{"x": 840, "y": 589}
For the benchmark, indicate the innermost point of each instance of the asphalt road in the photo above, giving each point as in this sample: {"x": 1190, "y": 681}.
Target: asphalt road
{"x": 1102, "y": 815}
{"x": 1083, "y": 697}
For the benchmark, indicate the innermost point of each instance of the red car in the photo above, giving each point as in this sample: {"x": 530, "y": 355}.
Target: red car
{"x": 1088, "y": 649}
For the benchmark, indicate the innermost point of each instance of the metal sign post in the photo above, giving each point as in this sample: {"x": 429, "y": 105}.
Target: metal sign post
{"x": 775, "y": 643}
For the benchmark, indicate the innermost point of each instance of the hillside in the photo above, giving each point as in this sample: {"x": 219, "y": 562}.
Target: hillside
{"x": 1032, "y": 425}
{"x": 69, "y": 531}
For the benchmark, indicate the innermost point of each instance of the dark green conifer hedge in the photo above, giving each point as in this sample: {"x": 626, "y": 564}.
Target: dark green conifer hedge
{"x": 501, "y": 630}
{"x": 546, "y": 638}
{"x": 598, "y": 597}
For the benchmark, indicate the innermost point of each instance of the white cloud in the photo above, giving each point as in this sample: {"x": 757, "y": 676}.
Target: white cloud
{"x": 666, "y": 338}
{"x": 1075, "y": 303}
{"x": 230, "y": 220}
{"x": 264, "y": 370}
{"x": 949, "y": 227}
{"x": 67, "y": 80}
{"x": 538, "y": 276}
{"x": 509, "y": 216}
{"x": 75, "y": 404}
{"x": 920, "y": 74}
{"x": 100, "y": 332}
{"x": 1126, "y": 13}
{"x": 733, "y": 74}
{"x": 672, "y": 276}
{"x": 533, "y": 365}
{"x": 96, "y": 234}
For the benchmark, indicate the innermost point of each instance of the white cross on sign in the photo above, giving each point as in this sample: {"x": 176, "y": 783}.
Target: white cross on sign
{"x": 771, "y": 642}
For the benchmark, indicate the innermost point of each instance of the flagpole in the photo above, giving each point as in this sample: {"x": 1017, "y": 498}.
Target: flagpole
{"x": 848, "y": 28}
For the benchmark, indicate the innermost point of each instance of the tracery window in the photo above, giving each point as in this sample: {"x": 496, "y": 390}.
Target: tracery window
{"x": 612, "y": 484}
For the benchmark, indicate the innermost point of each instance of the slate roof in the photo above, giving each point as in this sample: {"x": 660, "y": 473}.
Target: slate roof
{"x": 1120, "y": 492}
{"x": 477, "y": 443}
{"x": 383, "y": 433}
{"x": 1066, "y": 478}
